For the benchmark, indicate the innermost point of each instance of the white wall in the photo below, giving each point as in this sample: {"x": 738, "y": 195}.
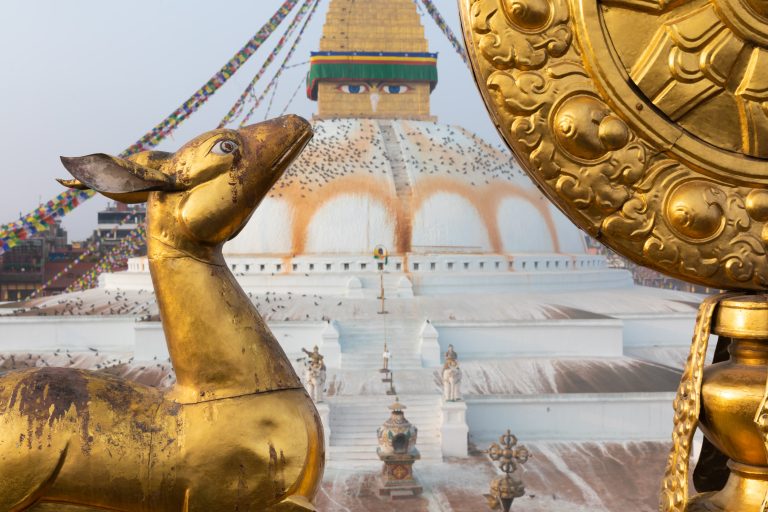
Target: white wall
{"x": 445, "y": 283}
{"x": 350, "y": 224}
{"x": 445, "y": 218}
{"x": 522, "y": 227}
{"x": 268, "y": 232}
{"x": 658, "y": 329}
{"x": 77, "y": 333}
{"x": 553, "y": 338}
{"x": 144, "y": 339}
{"x": 572, "y": 417}
{"x": 570, "y": 237}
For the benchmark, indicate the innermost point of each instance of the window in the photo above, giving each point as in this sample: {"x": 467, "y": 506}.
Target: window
{"x": 346, "y": 266}
{"x": 466, "y": 265}
{"x": 294, "y": 267}
{"x": 234, "y": 267}
{"x": 328, "y": 266}
{"x": 278, "y": 267}
{"x": 398, "y": 266}
{"x": 512, "y": 265}
{"x": 381, "y": 266}
{"x": 363, "y": 266}
{"x": 482, "y": 264}
{"x": 498, "y": 264}
{"x": 449, "y": 265}
{"x": 311, "y": 266}
{"x": 247, "y": 268}
{"x": 432, "y": 266}
{"x": 415, "y": 266}
{"x": 262, "y": 267}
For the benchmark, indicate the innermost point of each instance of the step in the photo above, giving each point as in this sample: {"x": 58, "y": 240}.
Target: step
{"x": 367, "y": 352}
{"x": 371, "y": 447}
{"x": 353, "y": 437}
{"x": 410, "y": 401}
{"x": 355, "y": 413}
{"x": 341, "y": 431}
{"x": 335, "y": 453}
{"x": 371, "y": 441}
{"x": 376, "y": 417}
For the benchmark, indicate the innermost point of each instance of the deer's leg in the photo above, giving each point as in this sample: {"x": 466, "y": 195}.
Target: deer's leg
{"x": 294, "y": 503}
{"x": 24, "y": 478}
{"x": 61, "y": 507}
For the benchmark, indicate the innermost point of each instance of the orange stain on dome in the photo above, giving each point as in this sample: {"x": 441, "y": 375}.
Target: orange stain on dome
{"x": 485, "y": 199}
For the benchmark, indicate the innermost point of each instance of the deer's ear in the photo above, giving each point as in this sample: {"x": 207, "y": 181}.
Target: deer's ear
{"x": 128, "y": 198}
{"x": 152, "y": 159}
{"x": 114, "y": 176}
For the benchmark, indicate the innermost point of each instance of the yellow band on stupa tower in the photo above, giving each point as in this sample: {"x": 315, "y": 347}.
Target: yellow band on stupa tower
{"x": 373, "y": 62}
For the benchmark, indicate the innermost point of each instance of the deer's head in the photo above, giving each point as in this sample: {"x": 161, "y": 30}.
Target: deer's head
{"x": 202, "y": 195}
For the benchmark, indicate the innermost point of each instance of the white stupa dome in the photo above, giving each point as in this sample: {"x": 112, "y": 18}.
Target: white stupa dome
{"x": 411, "y": 186}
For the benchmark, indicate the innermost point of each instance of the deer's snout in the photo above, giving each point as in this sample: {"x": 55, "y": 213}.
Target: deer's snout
{"x": 272, "y": 145}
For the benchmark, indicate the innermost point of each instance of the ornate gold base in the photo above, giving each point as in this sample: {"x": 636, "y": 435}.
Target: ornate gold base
{"x": 745, "y": 491}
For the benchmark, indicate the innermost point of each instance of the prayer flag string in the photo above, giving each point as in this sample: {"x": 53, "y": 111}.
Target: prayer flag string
{"x": 117, "y": 257}
{"x": 238, "y": 106}
{"x": 92, "y": 246}
{"x": 287, "y": 59}
{"x": 43, "y": 217}
{"x": 153, "y": 137}
{"x": 443, "y": 26}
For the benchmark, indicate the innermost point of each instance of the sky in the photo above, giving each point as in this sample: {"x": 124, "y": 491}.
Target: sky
{"x": 88, "y": 76}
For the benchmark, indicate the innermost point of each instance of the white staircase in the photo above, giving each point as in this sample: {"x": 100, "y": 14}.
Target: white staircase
{"x": 354, "y": 420}
{"x": 396, "y": 163}
{"x": 362, "y": 344}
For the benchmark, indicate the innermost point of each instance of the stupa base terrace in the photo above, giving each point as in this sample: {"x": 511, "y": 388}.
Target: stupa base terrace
{"x": 576, "y": 376}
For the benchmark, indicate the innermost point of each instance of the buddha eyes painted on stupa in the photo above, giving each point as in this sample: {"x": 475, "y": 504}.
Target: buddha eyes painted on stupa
{"x": 362, "y": 88}
{"x": 394, "y": 88}
{"x": 353, "y": 88}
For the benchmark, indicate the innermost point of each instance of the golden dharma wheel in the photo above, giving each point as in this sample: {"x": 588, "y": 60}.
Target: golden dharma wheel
{"x": 645, "y": 121}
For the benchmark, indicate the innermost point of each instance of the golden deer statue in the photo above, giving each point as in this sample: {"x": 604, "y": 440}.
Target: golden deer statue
{"x": 237, "y": 432}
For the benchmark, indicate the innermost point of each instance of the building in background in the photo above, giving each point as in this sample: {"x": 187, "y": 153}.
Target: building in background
{"x": 34, "y": 261}
{"x": 115, "y": 223}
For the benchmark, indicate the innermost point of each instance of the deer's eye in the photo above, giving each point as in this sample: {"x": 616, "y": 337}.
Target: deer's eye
{"x": 224, "y": 147}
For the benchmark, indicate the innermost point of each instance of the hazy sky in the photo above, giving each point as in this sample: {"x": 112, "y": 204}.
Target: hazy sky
{"x": 86, "y": 76}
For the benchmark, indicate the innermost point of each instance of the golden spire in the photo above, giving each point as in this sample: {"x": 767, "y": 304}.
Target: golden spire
{"x": 373, "y": 26}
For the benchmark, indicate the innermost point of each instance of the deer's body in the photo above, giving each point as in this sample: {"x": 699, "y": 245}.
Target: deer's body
{"x": 237, "y": 432}
{"x": 145, "y": 453}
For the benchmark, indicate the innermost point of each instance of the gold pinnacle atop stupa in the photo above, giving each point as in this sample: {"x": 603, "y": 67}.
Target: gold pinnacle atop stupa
{"x": 373, "y": 26}
{"x": 373, "y": 62}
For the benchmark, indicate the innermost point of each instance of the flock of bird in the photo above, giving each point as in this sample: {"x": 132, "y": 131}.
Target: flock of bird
{"x": 357, "y": 147}
{"x": 340, "y": 148}
{"x": 98, "y": 301}
{"x": 151, "y": 373}
{"x": 141, "y": 304}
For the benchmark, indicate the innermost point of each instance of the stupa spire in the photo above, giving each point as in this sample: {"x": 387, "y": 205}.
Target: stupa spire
{"x": 373, "y": 62}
